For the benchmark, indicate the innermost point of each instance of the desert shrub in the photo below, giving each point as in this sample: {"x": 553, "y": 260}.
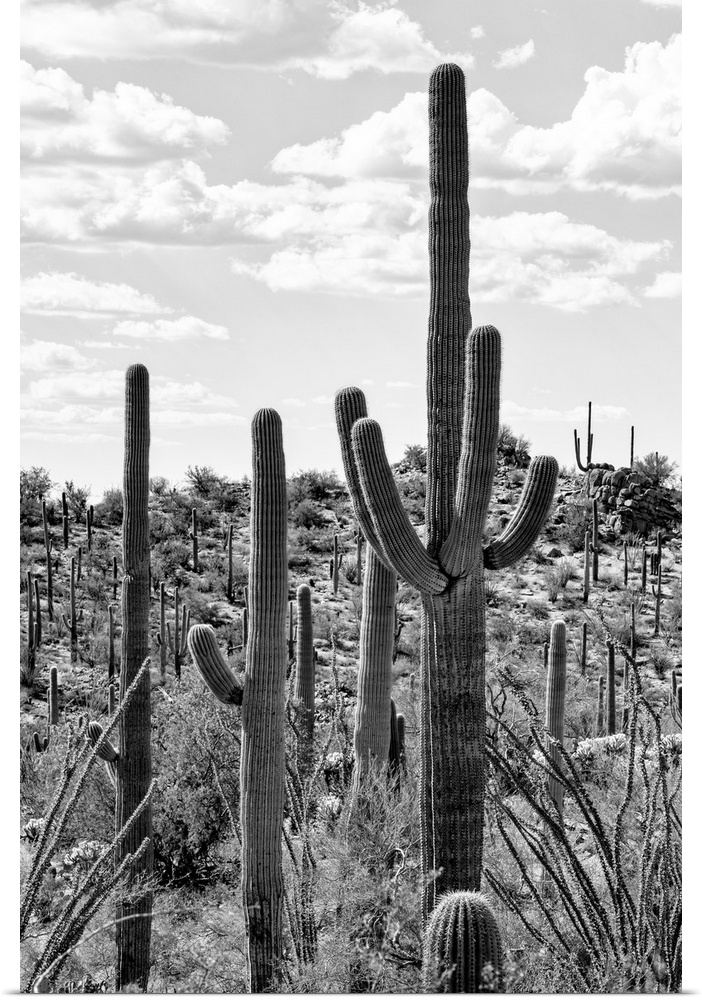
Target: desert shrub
{"x": 110, "y": 510}
{"x": 170, "y": 559}
{"x": 77, "y": 500}
{"x": 158, "y": 485}
{"x": 318, "y": 541}
{"x": 413, "y": 460}
{"x": 35, "y": 484}
{"x": 219, "y": 492}
{"x": 307, "y": 514}
{"x": 658, "y": 468}
{"x": 513, "y": 449}
{"x": 314, "y": 485}
{"x": 196, "y": 757}
{"x": 576, "y": 523}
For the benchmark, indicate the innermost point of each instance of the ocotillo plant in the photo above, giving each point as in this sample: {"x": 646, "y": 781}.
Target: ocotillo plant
{"x": 133, "y": 767}
{"x": 461, "y": 460}
{"x": 305, "y": 678}
{"x": 64, "y": 519}
{"x": 462, "y": 948}
{"x": 262, "y": 774}
{"x": 611, "y": 702}
{"x": 555, "y": 704}
{"x": 48, "y": 545}
{"x": 371, "y": 737}
{"x": 72, "y": 622}
{"x": 193, "y": 535}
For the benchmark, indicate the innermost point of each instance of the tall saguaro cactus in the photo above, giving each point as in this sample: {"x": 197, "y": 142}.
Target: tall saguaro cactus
{"x": 262, "y": 778}
{"x": 305, "y": 676}
{"x": 463, "y": 417}
{"x": 134, "y": 764}
{"x": 555, "y": 703}
{"x": 373, "y": 702}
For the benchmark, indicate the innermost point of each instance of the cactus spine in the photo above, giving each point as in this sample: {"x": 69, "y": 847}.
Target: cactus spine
{"x": 462, "y": 948}
{"x": 371, "y": 737}
{"x": 262, "y": 778}
{"x": 134, "y": 763}
{"x": 461, "y": 460}
{"x": 555, "y": 703}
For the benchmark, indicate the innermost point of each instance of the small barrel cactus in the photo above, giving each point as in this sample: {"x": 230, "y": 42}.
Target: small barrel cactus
{"x": 462, "y": 946}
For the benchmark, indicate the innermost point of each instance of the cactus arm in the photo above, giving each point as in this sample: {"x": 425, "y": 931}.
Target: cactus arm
{"x": 476, "y": 470}
{"x": 529, "y": 517}
{"x": 392, "y": 525}
{"x": 350, "y": 406}
{"x": 213, "y": 668}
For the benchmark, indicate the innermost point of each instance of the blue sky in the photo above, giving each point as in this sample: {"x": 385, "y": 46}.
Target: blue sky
{"x": 234, "y": 193}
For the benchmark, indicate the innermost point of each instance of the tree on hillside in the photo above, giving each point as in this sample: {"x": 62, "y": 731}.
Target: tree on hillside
{"x": 658, "y": 468}
{"x": 35, "y": 484}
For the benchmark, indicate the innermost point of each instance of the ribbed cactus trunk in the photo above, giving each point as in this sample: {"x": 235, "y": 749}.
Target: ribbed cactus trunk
{"x": 371, "y": 737}
{"x": 305, "y": 678}
{"x": 555, "y": 703}
{"x": 134, "y": 767}
{"x": 262, "y": 777}
{"x": 463, "y": 417}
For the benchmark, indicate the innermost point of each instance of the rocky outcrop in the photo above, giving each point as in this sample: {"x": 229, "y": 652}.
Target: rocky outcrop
{"x": 629, "y": 502}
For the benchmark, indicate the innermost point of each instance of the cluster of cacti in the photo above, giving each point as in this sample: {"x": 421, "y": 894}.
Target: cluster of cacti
{"x": 133, "y": 766}
{"x": 463, "y": 420}
{"x": 555, "y": 703}
{"x": 462, "y": 947}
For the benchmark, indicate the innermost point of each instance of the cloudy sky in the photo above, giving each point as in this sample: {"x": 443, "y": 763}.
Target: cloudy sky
{"x": 234, "y": 193}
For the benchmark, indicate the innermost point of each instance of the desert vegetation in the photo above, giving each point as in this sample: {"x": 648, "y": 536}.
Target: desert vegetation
{"x": 392, "y": 728}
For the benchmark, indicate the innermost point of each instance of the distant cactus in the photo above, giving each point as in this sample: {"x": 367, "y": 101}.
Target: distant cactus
{"x": 335, "y": 565}
{"x": 114, "y": 578}
{"x": 64, "y": 519}
{"x": 599, "y": 726}
{"x": 463, "y": 373}
{"x": 72, "y": 622}
{"x": 555, "y": 703}
{"x": 583, "y": 647}
{"x": 588, "y": 459}
{"x": 194, "y": 537}
{"x": 48, "y": 545}
{"x": 162, "y": 636}
{"x": 595, "y": 542}
{"x": 462, "y": 951}
{"x": 53, "y": 708}
{"x": 228, "y": 544}
{"x": 586, "y": 568}
{"x": 396, "y": 754}
{"x": 133, "y": 778}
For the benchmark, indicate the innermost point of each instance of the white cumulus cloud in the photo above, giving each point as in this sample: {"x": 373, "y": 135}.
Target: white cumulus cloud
{"x": 517, "y": 56}
{"x": 70, "y": 294}
{"x": 59, "y": 122}
{"x": 666, "y": 285}
{"x": 49, "y": 356}
{"x": 183, "y": 328}
{"x": 324, "y": 38}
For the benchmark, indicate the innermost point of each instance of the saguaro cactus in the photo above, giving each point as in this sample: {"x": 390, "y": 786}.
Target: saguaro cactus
{"x": 262, "y": 774}
{"x": 462, "y": 950}
{"x": 305, "y": 674}
{"x": 194, "y": 537}
{"x": 133, "y": 767}
{"x": 463, "y": 415}
{"x": 611, "y": 702}
{"x": 48, "y": 546}
{"x": 555, "y": 703}
{"x": 371, "y": 737}
{"x": 72, "y": 622}
{"x": 262, "y": 779}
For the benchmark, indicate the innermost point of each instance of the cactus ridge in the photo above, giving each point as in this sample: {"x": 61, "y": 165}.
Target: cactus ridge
{"x": 213, "y": 668}
{"x": 462, "y": 945}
